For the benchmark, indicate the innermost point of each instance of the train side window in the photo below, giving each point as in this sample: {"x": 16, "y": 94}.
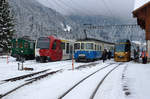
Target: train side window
{"x": 54, "y": 45}
{"x": 67, "y": 48}
{"x": 14, "y": 44}
{"x": 98, "y": 47}
{"x": 95, "y": 46}
{"x": 62, "y": 45}
{"x": 90, "y": 46}
{"x": 77, "y": 46}
{"x": 127, "y": 47}
{"x": 25, "y": 45}
{"x": 82, "y": 45}
{"x": 20, "y": 45}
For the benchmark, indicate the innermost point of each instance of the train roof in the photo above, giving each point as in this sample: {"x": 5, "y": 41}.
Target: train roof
{"x": 91, "y": 39}
{"x": 123, "y": 41}
{"x": 27, "y": 38}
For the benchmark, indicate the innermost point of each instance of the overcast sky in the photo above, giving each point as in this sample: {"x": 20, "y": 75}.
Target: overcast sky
{"x": 115, "y": 8}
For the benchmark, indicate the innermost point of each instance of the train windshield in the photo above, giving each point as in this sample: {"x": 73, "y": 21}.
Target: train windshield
{"x": 120, "y": 48}
{"x": 43, "y": 43}
{"x": 89, "y": 45}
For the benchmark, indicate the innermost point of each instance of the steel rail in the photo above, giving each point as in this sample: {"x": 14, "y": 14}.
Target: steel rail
{"x": 101, "y": 82}
{"x": 69, "y": 90}
{"x": 29, "y": 82}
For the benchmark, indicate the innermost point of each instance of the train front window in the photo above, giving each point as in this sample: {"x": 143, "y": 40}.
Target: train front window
{"x": 89, "y": 46}
{"x": 120, "y": 48}
{"x": 77, "y": 46}
{"x": 43, "y": 43}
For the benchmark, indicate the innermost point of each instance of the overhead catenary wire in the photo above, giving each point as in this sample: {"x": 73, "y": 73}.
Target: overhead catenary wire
{"x": 108, "y": 8}
{"x": 116, "y": 25}
{"x": 74, "y": 9}
{"x": 68, "y": 6}
{"x": 58, "y": 6}
{"x": 81, "y": 8}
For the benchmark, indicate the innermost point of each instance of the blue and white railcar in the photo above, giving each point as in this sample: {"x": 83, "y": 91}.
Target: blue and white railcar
{"x": 87, "y": 50}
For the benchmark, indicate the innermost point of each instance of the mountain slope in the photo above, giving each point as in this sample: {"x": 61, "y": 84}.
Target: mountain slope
{"x": 34, "y": 19}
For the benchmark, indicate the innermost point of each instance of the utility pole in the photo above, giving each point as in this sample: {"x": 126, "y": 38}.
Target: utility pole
{"x": 85, "y": 33}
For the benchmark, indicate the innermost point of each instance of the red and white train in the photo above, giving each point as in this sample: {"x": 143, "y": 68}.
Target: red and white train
{"x": 53, "y": 49}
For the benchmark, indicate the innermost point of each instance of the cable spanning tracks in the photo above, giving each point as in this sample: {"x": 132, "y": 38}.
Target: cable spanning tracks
{"x": 90, "y": 26}
{"x": 44, "y": 74}
{"x": 100, "y": 83}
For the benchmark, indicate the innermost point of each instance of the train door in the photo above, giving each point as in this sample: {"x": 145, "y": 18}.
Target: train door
{"x": 71, "y": 51}
{"x": 63, "y": 47}
{"x": 68, "y": 50}
{"x": 56, "y": 51}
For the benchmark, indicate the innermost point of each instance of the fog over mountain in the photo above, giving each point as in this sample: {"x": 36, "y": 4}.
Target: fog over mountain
{"x": 113, "y": 8}
{"x": 35, "y": 19}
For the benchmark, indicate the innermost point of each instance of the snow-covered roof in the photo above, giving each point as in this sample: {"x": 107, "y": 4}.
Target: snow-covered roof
{"x": 137, "y": 42}
{"x": 139, "y": 3}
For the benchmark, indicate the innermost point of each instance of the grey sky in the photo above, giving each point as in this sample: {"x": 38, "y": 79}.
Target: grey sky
{"x": 115, "y": 8}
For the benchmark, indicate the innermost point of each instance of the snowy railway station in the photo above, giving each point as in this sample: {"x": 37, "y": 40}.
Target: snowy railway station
{"x": 69, "y": 49}
{"x": 128, "y": 81}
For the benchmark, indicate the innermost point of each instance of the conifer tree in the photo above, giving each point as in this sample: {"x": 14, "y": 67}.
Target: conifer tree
{"x": 6, "y": 26}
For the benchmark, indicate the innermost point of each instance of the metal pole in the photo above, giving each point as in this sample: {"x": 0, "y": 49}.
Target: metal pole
{"x": 72, "y": 62}
{"x": 18, "y": 66}
{"x": 7, "y": 59}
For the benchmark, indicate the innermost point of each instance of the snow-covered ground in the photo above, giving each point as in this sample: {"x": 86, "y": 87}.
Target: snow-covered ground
{"x": 130, "y": 78}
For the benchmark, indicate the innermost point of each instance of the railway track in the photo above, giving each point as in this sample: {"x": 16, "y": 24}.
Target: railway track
{"x": 40, "y": 72}
{"x": 33, "y": 77}
{"x": 30, "y": 78}
{"x": 27, "y": 81}
{"x": 22, "y": 77}
{"x": 97, "y": 87}
{"x": 102, "y": 80}
{"x": 87, "y": 65}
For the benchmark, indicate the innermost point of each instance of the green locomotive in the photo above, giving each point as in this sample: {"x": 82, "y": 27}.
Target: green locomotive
{"x": 23, "y": 48}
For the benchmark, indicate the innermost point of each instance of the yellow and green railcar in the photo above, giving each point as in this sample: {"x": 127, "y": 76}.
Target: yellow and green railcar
{"x": 122, "y": 51}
